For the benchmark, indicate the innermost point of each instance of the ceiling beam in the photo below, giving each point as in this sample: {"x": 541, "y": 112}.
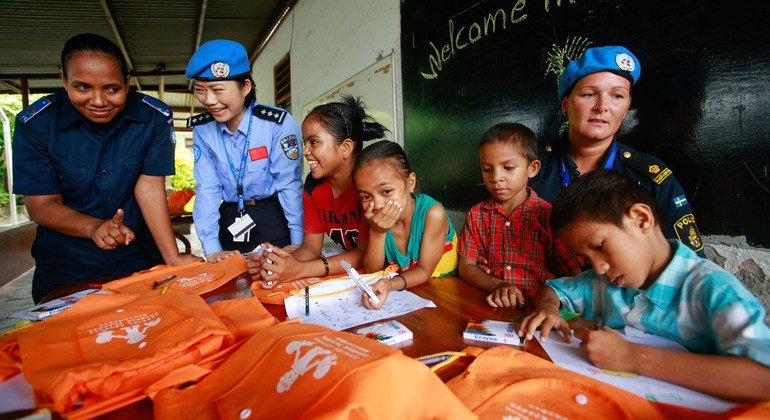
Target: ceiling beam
{"x": 269, "y": 33}
{"x": 11, "y": 86}
{"x": 199, "y": 32}
{"x": 111, "y": 20}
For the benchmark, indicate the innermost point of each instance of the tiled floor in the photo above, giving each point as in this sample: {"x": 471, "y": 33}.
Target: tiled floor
{"x": 16, "y": 295}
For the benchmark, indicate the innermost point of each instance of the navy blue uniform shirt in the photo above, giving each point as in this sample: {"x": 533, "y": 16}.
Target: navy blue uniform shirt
{"x": 646, "y": 170}
{"x": 56, "y": 150}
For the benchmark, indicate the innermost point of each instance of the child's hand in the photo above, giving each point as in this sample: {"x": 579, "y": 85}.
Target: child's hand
{"x": 384, "y": 218}
{"x": 381, "y": 289}
{"x": 548, "y": 318}
{"x": 505, "y": 295}
{"x": 607, "y": 349}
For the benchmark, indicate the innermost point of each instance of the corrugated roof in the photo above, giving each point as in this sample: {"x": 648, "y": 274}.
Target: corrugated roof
{"x": 159, "y": 36}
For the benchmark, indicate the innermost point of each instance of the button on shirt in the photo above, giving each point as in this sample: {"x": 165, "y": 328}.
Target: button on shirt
{"x": 94, "y": 168}
{"x": 694, "y": 302}
{"x": 264, "y": 177}
{"x": 519, "y": 248}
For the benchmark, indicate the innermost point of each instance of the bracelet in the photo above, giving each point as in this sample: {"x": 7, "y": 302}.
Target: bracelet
{"x": 326, "y": 265}
{"x": 402, "y": 278}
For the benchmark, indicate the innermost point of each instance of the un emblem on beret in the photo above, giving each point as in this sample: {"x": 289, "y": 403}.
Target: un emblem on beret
{"x": 220, "y": 69}
{"x": 625, "y": 62}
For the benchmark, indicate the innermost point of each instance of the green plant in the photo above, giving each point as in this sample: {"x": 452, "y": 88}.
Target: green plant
{"x": 183, "y": 179}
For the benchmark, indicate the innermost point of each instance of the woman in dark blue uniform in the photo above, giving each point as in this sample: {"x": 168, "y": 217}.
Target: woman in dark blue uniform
{"x": 595, "y": 94}
{"x": 90, "y": 161}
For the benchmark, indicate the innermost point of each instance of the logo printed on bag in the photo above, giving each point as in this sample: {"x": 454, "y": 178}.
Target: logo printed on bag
{"x": 316, "y": 357}
{"x": 135, "y": 329}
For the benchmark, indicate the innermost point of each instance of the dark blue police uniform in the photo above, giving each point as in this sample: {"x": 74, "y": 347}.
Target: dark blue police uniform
{"x": 646, "y": 170}
{"x": 95, "y": 167}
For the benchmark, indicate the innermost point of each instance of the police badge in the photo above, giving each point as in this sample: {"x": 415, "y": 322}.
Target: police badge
{"x": 290, "y": 147}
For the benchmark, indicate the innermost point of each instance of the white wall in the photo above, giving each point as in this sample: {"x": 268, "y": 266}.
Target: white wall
{"x": 329, "y": 41}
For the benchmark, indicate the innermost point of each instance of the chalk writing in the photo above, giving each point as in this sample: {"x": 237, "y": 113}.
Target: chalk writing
{"x": 465, "y": 35}
{"x": 559, "y": 56}
{"x": 558, "y": 4}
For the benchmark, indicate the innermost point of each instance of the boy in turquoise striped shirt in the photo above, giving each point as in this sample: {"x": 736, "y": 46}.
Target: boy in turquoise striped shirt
{"x": 641, "y": 279}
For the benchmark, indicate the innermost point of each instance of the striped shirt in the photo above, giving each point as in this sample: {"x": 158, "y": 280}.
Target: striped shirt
{"x": 519, "y": 248}
{"x": 693, "y": 302}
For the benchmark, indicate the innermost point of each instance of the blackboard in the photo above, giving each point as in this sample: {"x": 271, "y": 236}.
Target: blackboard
{"x": 701, "y": 104}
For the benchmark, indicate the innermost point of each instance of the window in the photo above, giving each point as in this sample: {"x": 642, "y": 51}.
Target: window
{"x": 282, "y": 81}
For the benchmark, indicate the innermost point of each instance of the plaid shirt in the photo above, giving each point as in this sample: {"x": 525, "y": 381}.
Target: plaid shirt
{"x": 519, "y": 249}
{"x": 694, "y": 302}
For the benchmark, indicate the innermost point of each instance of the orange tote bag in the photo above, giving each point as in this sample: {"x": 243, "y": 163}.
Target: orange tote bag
{"x": 293, "y": 370}
{"x": 191, "y": 279}
{"x": 106, "y": 349}
{"x": 503, "y": 381}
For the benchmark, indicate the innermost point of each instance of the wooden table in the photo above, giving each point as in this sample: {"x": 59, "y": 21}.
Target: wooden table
{"x": 441, "y": 328}
{"x": 181, "y": 218}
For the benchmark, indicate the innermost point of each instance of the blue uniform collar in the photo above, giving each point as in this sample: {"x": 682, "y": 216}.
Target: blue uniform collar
{"x": 243, "y": 126}
{"x": 564, "y": 149}
{"x": 133, "y": 111}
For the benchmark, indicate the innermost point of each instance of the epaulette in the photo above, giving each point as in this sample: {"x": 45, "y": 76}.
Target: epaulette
{"x": 29, "y": 112}
{"x": 157, "y": 104}
{"x": 646, "y": 165}
{"x": 199, "y": 119}
{"x": 269, "y": 114}
{"x": 311, "y": 183}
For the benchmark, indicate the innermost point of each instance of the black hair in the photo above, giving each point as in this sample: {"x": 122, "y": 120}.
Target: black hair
{"x": 348, "y": 120}
{"x": 514, "y": 134}
{"x": 241, "y": 80}
{"x": 93, "y": 43}
{"x": 385, "y": 149}
{"x": 602, "y": 196}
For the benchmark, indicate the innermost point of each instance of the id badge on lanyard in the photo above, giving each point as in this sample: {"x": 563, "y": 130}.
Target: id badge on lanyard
{"x": 565, "y": 178}
{"x": 242, "y": 225}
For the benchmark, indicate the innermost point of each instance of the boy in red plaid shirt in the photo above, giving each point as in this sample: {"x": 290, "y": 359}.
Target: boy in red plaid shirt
{"x": 511, "y": 229}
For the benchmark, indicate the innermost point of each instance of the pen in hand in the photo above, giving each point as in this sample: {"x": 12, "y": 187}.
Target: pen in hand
{"x": 162, "y": 282}
{"x": 598, "y": 325}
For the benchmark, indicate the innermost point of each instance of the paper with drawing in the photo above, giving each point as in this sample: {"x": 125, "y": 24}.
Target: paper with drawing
{"x": 337, "y": 305}
{"x": 569, "y": 356}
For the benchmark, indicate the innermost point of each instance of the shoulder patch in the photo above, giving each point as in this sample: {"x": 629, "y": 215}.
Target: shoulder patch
{"x": 290, "y": 146}
{"x": 687, "y": 232}
{"x": 29, "y": 112}
{"x": 157, "y": 104}
{"x": 199, "y": 119}
{"x": 647, "y": 165}
{"x": 311, "y": 183}
{"x": 269, "y": 114}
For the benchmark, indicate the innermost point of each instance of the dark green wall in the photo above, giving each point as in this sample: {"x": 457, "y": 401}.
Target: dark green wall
{"x": 701, "y": 104}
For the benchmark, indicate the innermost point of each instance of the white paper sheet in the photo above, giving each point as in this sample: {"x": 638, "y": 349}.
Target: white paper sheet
{"x": 343, "y": 310}
{"x": 16, "y": 394}
{"x": 569, "y": 356}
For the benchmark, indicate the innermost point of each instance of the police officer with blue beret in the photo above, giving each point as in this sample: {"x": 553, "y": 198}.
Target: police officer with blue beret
{"x": 595, "y": 94}
{"x": 90, "y": 161}
{"x": 247, "y": 158}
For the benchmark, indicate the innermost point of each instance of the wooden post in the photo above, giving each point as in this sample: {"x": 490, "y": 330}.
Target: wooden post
{"x": 24, "y": 92}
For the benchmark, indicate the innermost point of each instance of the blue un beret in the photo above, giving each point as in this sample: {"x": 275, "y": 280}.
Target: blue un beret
{"x": 613, "y": 58}
{"x": 220, "y": 59}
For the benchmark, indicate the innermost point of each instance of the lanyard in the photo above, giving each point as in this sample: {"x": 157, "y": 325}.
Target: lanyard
{"x": 565, "y": 178}
{"x": 239, "y": 175}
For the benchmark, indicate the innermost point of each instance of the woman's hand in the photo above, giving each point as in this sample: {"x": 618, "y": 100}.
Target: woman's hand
{"x": 216, "y": 257}
{"x": 385, "y": 218}
{"x": 547, "y": 317}
{"x": 381, "y": 289}
{"x": 274, "y": 266}
{"x": 505, "y": 295}
{"x": 108, "y": 234}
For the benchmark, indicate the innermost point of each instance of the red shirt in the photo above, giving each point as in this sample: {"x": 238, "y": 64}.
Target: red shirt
{"x": 519, "y": 249}
{"x": 341, "y": 218}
